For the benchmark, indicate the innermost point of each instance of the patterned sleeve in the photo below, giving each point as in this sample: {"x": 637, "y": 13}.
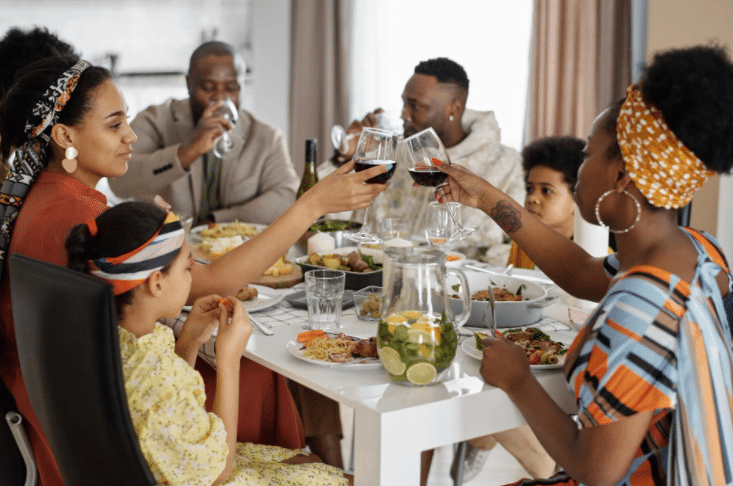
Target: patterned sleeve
{"x": 611, "y": 265}
{"x": 630, "y": 364}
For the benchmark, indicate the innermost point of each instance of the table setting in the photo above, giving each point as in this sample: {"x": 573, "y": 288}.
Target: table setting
{"x": 385, "y": 322}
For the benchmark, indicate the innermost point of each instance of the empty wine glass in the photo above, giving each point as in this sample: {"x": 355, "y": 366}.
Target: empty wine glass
{"x": 375, "y": 147}
{"x": 440, "y": 225}
{"x": 421, "y": 151}
{"x": 224, "y": 142}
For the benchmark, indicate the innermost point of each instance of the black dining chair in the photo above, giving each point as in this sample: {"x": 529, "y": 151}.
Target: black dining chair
{"x": 17, "y": 464}
{"x": 66, "y": 330}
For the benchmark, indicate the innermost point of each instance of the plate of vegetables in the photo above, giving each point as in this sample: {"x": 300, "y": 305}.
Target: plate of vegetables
{"x": 542, "y": 351}
{"x": 362, "y": 266}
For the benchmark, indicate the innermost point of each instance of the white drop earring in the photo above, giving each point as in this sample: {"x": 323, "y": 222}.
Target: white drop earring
{"x": 69, "y": 163}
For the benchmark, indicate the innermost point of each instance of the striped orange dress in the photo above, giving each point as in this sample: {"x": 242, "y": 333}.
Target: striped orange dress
{"x": 657, "y": 343}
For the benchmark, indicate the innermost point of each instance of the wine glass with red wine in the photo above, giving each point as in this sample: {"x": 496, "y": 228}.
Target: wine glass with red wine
{"x": 375, "y": 147}
{"x": 421, "y": 151}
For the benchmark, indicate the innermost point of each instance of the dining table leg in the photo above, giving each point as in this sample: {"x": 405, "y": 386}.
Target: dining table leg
{"x": 384, "y": 456}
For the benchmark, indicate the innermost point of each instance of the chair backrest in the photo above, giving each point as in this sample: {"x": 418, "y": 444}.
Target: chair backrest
{"x": 12, "y": 463}
{"x": 66, "y": 330}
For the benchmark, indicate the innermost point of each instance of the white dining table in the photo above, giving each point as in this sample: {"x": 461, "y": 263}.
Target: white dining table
{"x": 394, "y": 423}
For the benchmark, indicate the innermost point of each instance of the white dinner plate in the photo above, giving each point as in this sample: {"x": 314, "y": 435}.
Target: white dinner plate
{"x": 194, "y": 236}
{"x": 469, "y": 347}
{"x": 368, "y": 364}
{"x": 265, "y": 299}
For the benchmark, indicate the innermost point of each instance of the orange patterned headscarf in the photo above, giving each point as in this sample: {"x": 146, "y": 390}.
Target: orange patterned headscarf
{"x": 664, "y": 170}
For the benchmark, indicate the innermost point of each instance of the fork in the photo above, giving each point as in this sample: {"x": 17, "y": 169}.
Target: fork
{"x": 265, "y": 328}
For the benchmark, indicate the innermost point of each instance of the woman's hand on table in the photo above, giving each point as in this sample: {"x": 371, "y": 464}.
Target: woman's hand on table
{"x": 234, "y": 331}
{"x": 504, "y": 364}
{"x": 202, "y": 321}
{"x": 342, "y": 191}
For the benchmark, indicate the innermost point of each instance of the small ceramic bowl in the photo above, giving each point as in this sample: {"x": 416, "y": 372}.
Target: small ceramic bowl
{"x": 368, "y": 302}
{"x": 454, "y": 259}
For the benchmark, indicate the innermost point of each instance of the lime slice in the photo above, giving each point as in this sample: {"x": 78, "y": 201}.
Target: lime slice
{"x": 421, "y": 373}
{"x": 391, "y": 361}
{"x": 419, "y": 336}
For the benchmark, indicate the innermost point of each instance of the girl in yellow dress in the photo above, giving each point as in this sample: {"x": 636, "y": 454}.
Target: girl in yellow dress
{"x": 141, "y": 250}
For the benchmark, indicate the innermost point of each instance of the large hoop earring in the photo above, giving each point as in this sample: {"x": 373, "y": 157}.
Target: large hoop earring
{"x": 604, "y": 225}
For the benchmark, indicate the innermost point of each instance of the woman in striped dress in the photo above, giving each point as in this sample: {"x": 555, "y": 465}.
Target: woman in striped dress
{"x": 652, "y": 368}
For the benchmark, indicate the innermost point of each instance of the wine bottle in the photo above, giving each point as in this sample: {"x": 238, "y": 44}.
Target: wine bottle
{"x": 310, "y": 176}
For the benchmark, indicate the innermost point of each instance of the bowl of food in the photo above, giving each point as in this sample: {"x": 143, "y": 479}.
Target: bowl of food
{"x": 454, "y": 259}
{"x": 518, "y": 302}
{"x": 368, "y": 302}
{"x": 363, "y": 266}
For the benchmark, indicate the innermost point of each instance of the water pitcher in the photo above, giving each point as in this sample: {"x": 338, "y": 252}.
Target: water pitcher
{"x": 417, "y": 337}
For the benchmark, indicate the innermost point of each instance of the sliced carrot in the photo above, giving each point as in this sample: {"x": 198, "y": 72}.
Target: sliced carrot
{"x": 310, "y": 335}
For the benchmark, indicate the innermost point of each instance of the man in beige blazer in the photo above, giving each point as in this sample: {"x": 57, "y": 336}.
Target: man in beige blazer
{"x": 254, "y": 182}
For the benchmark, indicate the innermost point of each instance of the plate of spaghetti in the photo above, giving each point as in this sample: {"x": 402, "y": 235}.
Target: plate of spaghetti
{"x": 335, "y": 351}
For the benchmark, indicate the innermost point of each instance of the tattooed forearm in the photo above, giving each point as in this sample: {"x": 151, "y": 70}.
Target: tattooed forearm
{"x": 507, "y": 217}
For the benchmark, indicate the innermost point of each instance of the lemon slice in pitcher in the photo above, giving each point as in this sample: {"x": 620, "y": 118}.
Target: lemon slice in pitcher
{"x": 391, "y": 361}
{"x": 421, "y": 373}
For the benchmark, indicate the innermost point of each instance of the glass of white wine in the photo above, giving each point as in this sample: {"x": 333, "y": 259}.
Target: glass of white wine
{"x": 224, "y": 142}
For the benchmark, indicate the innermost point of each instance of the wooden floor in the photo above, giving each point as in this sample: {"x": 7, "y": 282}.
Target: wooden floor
{"x": 500, "y": 468}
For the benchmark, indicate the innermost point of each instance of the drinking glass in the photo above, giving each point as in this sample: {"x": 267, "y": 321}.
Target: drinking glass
{"x": 375, "y": 147}
{"x": 386, "y": 120}
{"x": 440, "y": 224}
{"x": 421, "y": 151}
{"x": 324, "y": 290}
{"x": 224, "y": 142}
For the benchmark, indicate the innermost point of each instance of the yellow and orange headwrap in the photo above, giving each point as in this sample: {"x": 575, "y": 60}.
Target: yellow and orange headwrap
{"x": 662, "y": 167}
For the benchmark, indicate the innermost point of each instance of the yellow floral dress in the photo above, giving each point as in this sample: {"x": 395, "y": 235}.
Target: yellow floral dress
{"x": 183, "y": 444}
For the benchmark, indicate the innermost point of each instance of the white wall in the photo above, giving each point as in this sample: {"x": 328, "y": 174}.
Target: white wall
{"x": 678, "y": 23}
{"x": 270, "y": 82}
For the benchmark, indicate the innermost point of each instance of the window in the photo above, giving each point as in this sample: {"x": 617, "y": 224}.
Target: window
{"x": 490, "y": 39}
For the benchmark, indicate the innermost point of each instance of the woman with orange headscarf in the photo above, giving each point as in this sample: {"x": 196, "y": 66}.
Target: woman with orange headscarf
{"x": 652, "y": 368}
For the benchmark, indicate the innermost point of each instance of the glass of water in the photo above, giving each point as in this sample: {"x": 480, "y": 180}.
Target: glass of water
{"x": 324, "y": 290}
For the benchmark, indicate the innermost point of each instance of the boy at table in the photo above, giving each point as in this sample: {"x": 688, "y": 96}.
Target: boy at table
{"x": 551, "y": 171}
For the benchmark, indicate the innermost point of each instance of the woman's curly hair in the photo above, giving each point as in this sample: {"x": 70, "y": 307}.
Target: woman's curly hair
{"x": 693, "y": 88}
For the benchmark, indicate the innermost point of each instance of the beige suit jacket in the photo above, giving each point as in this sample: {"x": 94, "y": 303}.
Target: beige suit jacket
{"x": 258, "y": 180}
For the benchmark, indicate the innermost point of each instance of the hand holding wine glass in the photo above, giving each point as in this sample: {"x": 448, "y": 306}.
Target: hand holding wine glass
{"x": 424, "y": 152}
{"x": 375, "y": 147}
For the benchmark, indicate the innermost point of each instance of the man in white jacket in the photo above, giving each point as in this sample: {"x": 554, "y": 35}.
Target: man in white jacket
{"x": 435, "y": 96}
